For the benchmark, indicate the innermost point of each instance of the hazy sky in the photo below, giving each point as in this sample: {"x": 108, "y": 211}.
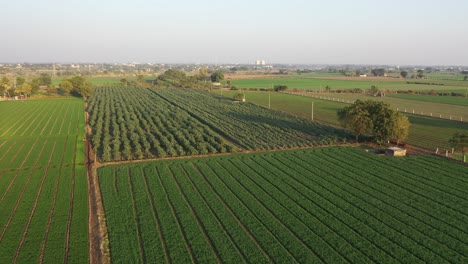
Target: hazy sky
{"x": 214, "y": 31}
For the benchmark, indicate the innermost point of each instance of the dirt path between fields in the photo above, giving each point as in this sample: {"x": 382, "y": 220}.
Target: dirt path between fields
{"x": 97, "y": 230}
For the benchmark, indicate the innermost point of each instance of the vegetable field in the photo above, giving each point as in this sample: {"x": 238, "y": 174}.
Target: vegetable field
{"x": 326, "y": 205}
{"x": 133, "y": 123}
{"x": 248, "y": 125}
{"x": 43, "y": 184}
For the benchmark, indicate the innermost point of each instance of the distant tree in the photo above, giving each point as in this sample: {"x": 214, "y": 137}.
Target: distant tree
{"x": 420, "y": 74}
{"x": 378, "y": 72}
{"x": 460, "y": 141}
{"x": 239, "y": 97}
{"x": 81, "y": 87}
{"x": 124, "y": 81}
{"x": 465, "y": 78}
{"x": 374, "y": 90}
{"x": 4, "y": 85}
{"x": 280, "y": 88}
{"x": 66, "y": 86}
{"x": 403, "y": 74}
{"x": 217, "y": 76}
{"x": 45, "y": 79}
{"x": 20, "y": 80}
{"x": 327, "y": 88}
{"x": 24, "y": 89}
{"x": 141, "y": 79}
{"x": 202, "y": 74}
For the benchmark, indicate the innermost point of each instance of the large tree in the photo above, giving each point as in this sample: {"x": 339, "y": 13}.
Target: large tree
{"x": 356, "y": 118}
{"x": 376, "y": 118}
{"x": 81, "y": 87}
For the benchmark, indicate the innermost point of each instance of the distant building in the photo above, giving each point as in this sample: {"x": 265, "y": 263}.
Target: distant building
{"x": 395, "y": 152}
{"x": 260, "y": 63}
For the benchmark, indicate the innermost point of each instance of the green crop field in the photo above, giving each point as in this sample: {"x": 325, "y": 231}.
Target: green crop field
{"x": 437, "y": 109}
{"x": 305, "y": 82}
{"x": 43, "y": 185}
{"x": 426, "y": 132}
{"x": 324, "y": 205}
{"x": 456, "y": 100}
{"x": 248, "y": 125}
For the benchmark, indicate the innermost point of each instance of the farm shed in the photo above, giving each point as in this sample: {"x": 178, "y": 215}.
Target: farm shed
{"x": 395, "y": 151}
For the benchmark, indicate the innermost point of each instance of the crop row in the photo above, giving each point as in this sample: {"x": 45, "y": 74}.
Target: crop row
{"x": 331, "y": 205}
{"x": 248, "y": 125}
{"x": 136, "y": 124}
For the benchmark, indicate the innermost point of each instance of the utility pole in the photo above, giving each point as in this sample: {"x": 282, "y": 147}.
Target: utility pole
{"x": 269, "y": 100}
{"x": 312, "y": 113}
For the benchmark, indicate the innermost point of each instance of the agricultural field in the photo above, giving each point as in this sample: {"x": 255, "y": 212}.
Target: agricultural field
{"x": 248, "y": 125}
{"x": 306, "y": 82}
{"x": 135, "y": 123}
{"x": 425, "y": 132}
{"x": 434, "y": 98}
{"x": 421, "y": 107}
{"x": 287, "y": 207}
{"x": 43, "y": 184}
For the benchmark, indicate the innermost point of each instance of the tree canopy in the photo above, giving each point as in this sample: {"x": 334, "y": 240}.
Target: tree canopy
{"x": 378, "y": 72}
{"x": 77, "y": 86}
{"x": 217, "y": 76}
{"x": 375, "y": 118}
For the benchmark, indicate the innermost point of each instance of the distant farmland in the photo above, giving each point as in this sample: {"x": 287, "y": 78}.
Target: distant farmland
{"x": 425, "y": 132}
{"x": 43, "y": 185}
{"x": 330, "y": 205}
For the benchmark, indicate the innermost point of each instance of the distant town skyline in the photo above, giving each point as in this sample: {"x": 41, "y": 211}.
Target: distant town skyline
{"x": 215, "y": 32}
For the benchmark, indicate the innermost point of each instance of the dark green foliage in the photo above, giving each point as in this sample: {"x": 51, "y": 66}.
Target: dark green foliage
{"x": 248, "y": 125}
{"x": 140, "y": 124}
{"x": 217, "y": 77}
{"x": 280, "y": 88}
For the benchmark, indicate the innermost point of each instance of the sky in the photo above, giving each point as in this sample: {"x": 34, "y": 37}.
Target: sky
{"x": 397, "y": 32}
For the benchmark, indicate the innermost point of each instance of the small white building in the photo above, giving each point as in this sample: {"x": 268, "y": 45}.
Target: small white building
{"x": 395, "y": 152}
